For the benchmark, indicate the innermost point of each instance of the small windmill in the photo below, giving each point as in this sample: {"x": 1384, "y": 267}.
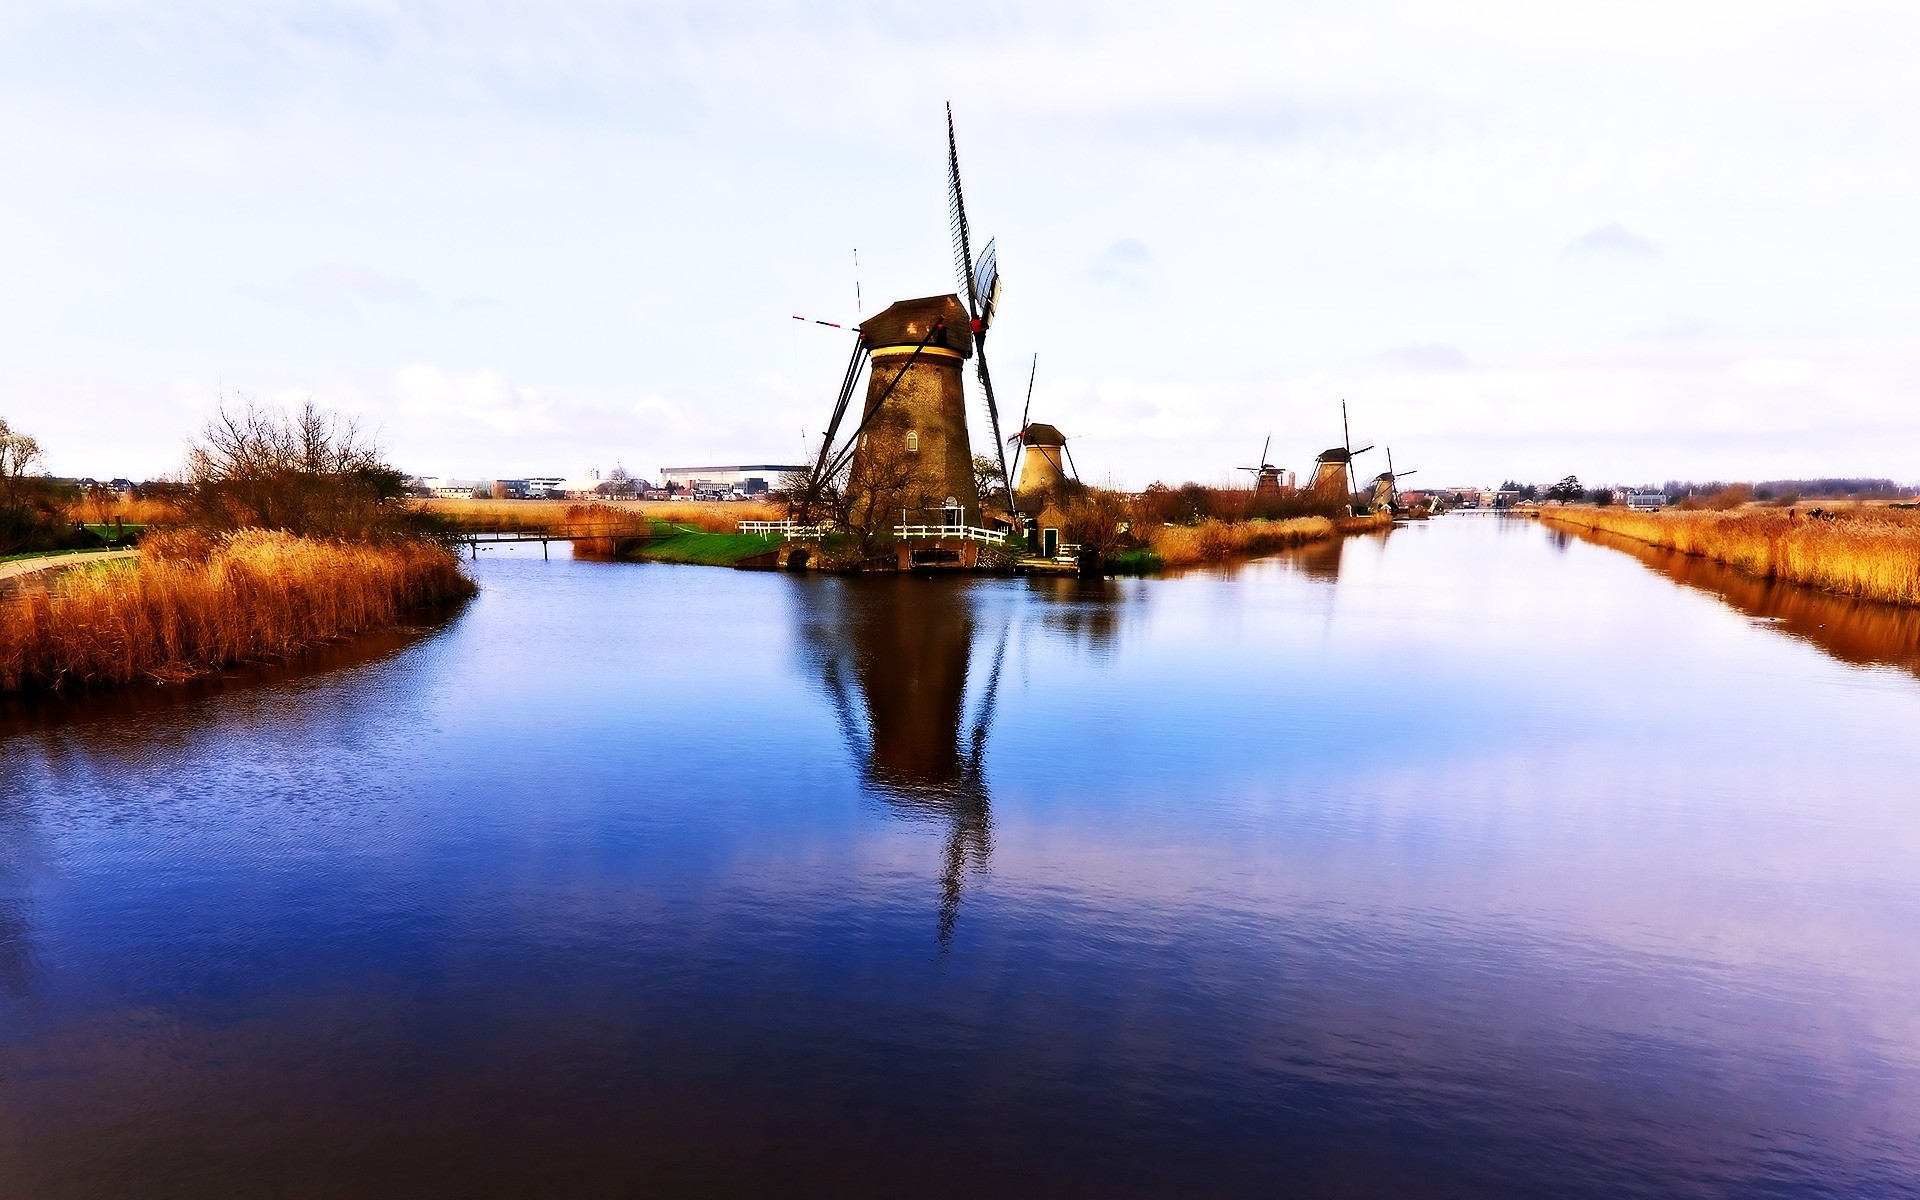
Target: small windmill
{"x": 1333, "y": 468}
{"x": 1386, "y": 485}
{"x": 1042, "y": 460}
{"x": 1266, "y": 476}
{"x": 980, "y": 282}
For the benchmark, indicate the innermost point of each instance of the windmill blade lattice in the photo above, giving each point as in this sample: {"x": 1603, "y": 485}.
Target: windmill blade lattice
{"x": 971, "y": 279}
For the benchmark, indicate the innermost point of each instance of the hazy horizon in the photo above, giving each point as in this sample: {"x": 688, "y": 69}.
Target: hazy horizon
{"x": 1634, "y": 243}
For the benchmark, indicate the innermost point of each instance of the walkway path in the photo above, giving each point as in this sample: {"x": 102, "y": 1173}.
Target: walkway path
{"x": 15, "y": 574}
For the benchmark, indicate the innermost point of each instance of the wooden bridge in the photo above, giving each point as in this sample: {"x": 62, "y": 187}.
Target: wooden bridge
{"x": 641, "y": 531}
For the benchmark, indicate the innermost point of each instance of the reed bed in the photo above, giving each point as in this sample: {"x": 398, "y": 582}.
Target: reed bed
{"x": 505, "y": 515}
{"x": 191, "y": 605}
{"x": 1214, "y": 541}
{"x": 1866, "y": 552}
{"x": 107, "y": 508}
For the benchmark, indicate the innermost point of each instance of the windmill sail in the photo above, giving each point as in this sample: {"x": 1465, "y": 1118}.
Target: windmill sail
{"x": 986, "y": 285}
{"x": 979, "y": 308}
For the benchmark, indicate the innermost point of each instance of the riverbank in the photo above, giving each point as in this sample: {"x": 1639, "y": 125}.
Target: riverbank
{"x": 191, "y": 606}
{"x": 1169, "y": 548}
{"x": 1865, "y": 552}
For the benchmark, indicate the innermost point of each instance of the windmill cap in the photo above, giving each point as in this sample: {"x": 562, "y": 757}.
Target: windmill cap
{"x": 1038, "y": 434}
{"x": 905, "y": 322}
{"x": 1337, "y": 454}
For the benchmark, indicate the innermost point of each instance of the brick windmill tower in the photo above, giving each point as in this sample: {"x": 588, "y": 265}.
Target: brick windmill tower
{"x": 913, "y": 444}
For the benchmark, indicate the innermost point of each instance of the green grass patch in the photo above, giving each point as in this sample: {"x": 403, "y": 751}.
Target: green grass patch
{"x": 1136, "y": 561}
{"x": 7, "y": 558}
{"x": 706, "y": 549}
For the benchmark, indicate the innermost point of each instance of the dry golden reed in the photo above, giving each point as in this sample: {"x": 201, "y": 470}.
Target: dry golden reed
{"x": 104, "y": 508}
{"x": 1869, "y": 553}
{"x": 709, "y": 516}
{"x": 1218, "y": 541}
{"x": 192, "y": 605}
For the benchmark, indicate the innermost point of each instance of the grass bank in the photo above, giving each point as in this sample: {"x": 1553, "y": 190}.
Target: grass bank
{"x": 701, "y": 548}
{"x": 192, "y": 605}
{"x": 1865, "y": 552}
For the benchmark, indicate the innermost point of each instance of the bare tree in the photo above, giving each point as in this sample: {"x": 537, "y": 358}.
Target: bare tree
{"x": 1098, "y": 518}
{"x": 884, "y": 482}
{"x": 307, "y": 472}
{"x": 618, "y": 485}
{"x": 22, "y": 495}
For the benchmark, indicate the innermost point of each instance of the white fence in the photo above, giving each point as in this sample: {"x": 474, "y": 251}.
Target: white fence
{"x": 970, "y": 533}
{"x": 785, "y": 529}
{"x": 793, "y": 530}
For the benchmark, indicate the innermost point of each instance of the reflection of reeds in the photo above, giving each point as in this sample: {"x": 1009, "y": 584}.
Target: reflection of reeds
{"x": 1871, "y": 553}
{"x": 191, "y": 605}
{"x": 1851, "y": 630}
{"x": 1218, "y": 541}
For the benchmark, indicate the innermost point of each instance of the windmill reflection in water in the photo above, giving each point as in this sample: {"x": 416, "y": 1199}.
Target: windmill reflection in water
{"x": 894, "y": 657}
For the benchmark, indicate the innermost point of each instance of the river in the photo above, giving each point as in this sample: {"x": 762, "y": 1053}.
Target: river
{"x": 1468, "y": 860}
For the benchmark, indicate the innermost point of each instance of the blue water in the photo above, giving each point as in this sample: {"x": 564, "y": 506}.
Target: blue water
{"x": 1465, "y": 861}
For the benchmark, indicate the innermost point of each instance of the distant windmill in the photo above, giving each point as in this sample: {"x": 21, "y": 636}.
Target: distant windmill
{"x": 1386, "y": 486}
{"x": 1333, "y": 468}
{"x": 1044, "y": 462}
{"x": 1266, "y": 476}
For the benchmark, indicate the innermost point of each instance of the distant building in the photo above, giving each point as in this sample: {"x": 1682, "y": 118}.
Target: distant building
{"x": 540, "y": 487}
{"x": 718, "y": 481}
{"x": 1646, "y": 501}
{"x": 449, "y": 489}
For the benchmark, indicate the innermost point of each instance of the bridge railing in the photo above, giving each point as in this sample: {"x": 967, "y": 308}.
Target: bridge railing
{"x": 556, "y": 533}
{"x": 785, "y": 529}
{"x": 969, "y": 533}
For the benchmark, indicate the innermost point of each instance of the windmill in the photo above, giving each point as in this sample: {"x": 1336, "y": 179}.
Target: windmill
{"x": 910, "y": 445}
{"x": 1266, "y": 476}
{"x": 1042, "y": 459}
{"x": 980, "y": 282}
{"x": 1333, "y": 468}
{"x": 1386, "y": 486}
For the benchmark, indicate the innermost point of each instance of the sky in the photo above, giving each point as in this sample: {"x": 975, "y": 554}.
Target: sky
{"x": 1632, "y": 241}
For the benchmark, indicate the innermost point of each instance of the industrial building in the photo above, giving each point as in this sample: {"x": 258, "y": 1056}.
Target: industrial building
{"x": 749, "y": 480}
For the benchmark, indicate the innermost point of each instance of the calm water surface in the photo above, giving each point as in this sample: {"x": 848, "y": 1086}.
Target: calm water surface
{"x": 1471, "y": 860}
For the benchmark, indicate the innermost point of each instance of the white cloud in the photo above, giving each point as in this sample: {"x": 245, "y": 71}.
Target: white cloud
{"x": 480, "y": 397}
{"x": 1773, "y": 372}
{"x": 1612, "y": 240}
{"x": 1426, "y": 358}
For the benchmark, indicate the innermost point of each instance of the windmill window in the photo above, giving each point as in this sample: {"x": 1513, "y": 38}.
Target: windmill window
{"x": 913, "y": 441}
